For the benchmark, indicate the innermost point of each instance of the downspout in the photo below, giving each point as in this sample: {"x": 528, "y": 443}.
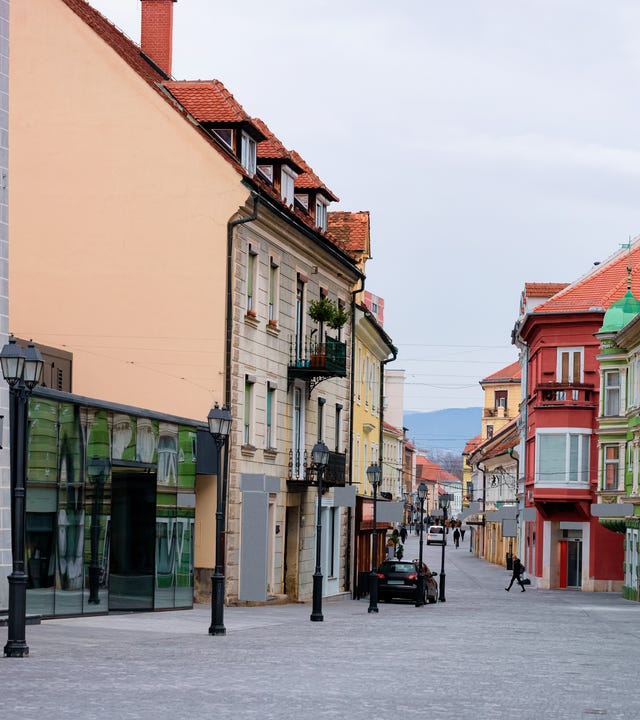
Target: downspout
{"x": 394, "y": 351}
{"x": 483, "y": 470}
{"x": 229, "y": 316}
{"x": 347, "y": 559}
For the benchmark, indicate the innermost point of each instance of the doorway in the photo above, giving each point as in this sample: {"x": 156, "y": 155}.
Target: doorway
{"x": 133, "y": 533}
{"x": 574, "y": 563}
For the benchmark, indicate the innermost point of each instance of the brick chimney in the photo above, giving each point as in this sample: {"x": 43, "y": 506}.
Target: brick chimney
{"x": 157, "y": 32}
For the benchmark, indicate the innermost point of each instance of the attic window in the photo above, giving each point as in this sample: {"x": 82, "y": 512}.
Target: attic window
{"x": 287, "y": 192}
{"x": 321, "y": 214}
{"x": 248, "y": 153}
{"x": 266, "y": 171}
{"x": 303, "y": 200}
{"x": 226, "y": 135}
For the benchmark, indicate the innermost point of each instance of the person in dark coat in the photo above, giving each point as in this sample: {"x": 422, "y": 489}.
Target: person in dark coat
{"x": 403, "y": 534}
{"x": 518, "y": 569}
{"x": 456, "y": 537}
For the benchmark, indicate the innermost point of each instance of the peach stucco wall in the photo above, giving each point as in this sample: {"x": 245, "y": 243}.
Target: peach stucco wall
{"x": 119, "y": 213}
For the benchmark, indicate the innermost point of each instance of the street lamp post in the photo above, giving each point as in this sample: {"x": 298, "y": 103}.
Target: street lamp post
{"x": 320, "y": 457}
{"x": 219, "y": 426}
{"x": 374, "y": 474}
{"x": 422, "y": 494}
{"x": 444, "y": 504}
{"x": 21, "y": 368}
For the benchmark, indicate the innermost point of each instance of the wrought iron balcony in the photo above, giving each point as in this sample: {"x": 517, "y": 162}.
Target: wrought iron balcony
{"x": 315, "y": 361}
{"x": 303, "y": 472}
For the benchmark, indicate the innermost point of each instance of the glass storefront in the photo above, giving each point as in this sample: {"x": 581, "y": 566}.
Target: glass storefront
{"x": 109, "y": 512}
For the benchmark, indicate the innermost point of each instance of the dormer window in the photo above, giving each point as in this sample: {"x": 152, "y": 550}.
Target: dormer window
{"x": 266, "y": 171}
{"x": 321, "y": 214}
{"x": 287, "y": 191}
{"x": 248, "y": 153}
{"x": 226, "y": 135}
{"x": 303, "y": 200}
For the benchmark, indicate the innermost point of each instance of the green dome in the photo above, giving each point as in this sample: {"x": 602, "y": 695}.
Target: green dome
{"x": 620, "y": 313}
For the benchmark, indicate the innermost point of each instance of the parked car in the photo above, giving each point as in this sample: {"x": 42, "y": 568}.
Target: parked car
{"x": 435, "y": 534}
{"x": 399, "y": 579}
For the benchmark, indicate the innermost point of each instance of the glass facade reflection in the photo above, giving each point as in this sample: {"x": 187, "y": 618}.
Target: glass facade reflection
{"x": 109, "y": 512}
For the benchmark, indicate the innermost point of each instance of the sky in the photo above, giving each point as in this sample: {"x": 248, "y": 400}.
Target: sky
{"x": 494, "y": 143}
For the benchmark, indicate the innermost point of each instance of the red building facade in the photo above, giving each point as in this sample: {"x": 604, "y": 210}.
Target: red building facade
{"x": 564, "y": 546}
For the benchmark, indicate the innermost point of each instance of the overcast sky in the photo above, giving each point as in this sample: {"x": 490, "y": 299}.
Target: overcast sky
{"x": 494, "y": 142}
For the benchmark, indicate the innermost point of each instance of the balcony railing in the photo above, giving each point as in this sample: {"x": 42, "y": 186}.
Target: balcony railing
{"x": 317, "y": 361}
{"x": 303, "y": 472}
{"x": 552, "y": 394}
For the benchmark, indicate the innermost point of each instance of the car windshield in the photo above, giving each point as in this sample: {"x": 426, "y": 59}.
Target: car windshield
{"x": 435, "y": 530}
{"x": 398, "y": 567}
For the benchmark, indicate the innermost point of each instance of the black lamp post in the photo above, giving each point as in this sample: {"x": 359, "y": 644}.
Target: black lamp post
{"x": 374, "y": 474}
{"x": 219, "y": 426}
{"x": 320, "y": 457}
{"x": 21, "y": 368}
{"x": 422, "y": 494}
{"x": 444, "y": 504}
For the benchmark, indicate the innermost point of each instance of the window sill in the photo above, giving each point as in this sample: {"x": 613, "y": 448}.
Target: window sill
{"x": 272, "y": 327}
{"x": 248, "y": 450}
{"x": 251, "y": 319}
{"x": 270, "y": 453}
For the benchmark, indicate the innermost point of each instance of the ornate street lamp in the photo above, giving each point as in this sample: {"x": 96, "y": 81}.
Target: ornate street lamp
{"x": 445, "y": 501}
{"x": 374, "y": 475}
{"x": 21, "y": 368}
{"x": 220, "y": 427}
{"x": 422, "y": 494}
{"x": 320, "y": 457}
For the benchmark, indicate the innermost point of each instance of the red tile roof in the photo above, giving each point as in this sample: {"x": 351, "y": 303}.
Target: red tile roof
{"x": 499, "y": 444}
{"x": 308, "y": 180}
{"x": 537, "y": 290}
{"x": 351, "y": 228}
{"x": 472, "y": 444}
{"x": 510, "y": 373}
{"x": 271, "y": 148}
{"x": 601, "y": 287}
{"x": 430, "y": 470}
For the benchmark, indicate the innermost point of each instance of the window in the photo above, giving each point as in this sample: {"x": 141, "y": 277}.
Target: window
{"x": 298, "y": 431}
{"x": 248, "y": 409}
{"x": 321, "y": 404}
{"x": 274, "y": 291}
{"x": 300, "y": 293}
{"x": 489, "y": 431}
{"x": 248, "y": 153}
{"x": 611, "y": 393}
{"x": 338, "y": 425}
{"x": 562, "y": 458}
{"x": 569, "y": 366}
{"x": 266, "y": 171}
{"x": 501, "y": 399}
{"x": 224, "y": 134}
{"x": 252, "y": 281}
{"x": 287, "y": 181}
{"x": 270, "y": 429}
{"x": 611, "y": 467}
{"x": 321, "y": 214}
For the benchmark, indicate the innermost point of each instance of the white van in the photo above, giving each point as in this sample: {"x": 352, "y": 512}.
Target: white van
{"x": 435, "y": 534}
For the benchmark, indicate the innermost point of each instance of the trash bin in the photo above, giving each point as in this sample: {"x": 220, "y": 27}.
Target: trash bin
{"x": 509, "y": 561}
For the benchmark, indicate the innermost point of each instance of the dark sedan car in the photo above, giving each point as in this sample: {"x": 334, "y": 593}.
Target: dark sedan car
{"x": 399, "y": 579}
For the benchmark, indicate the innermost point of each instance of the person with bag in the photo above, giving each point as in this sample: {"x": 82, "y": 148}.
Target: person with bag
{"x": 518, "y": 569}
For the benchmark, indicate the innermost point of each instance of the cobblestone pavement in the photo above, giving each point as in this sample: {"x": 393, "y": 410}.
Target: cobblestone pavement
{"x": 483, "y": 654}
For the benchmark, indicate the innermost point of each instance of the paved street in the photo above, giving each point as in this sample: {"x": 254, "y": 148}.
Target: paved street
{"x": 484, "y": 653}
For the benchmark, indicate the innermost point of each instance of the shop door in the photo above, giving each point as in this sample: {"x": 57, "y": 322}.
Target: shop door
{"x": 574, "y": 563}
{"x": 133, "y": 532}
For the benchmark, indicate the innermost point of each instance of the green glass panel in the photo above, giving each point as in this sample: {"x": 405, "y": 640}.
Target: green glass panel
{"x": 167, "y": 454}
{"x": 184, "y": 561}
{"x": 187, "y": 458}
{"x": 97, "y": 536}
{"x": 99, "y": 441}
{"x": 146, "y": 440}
{"x": 123, "y": 438}
{"x": 42, "y": 459}
{"x": 166, "y": 539}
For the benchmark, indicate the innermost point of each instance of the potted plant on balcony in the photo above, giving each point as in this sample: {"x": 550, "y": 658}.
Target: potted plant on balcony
{"x": 339, "y": 318}
{"x": 322, "y": 310}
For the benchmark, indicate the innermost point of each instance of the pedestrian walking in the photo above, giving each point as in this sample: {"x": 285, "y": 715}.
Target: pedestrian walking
{"x": 462, "y": 532}
{"x": 518, "y": 569}
{"x": 403, "y": 534}
{"x": 456, "y": 537}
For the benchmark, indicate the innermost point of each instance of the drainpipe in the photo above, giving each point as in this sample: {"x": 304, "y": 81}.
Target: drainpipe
{"x": 347, "y": 559}
{"x": 483, "y": 470}
{"x": 229, "y": 317}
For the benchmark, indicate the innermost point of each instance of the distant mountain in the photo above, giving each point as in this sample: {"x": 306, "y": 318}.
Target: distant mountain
{"x": 443, "y": 430}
